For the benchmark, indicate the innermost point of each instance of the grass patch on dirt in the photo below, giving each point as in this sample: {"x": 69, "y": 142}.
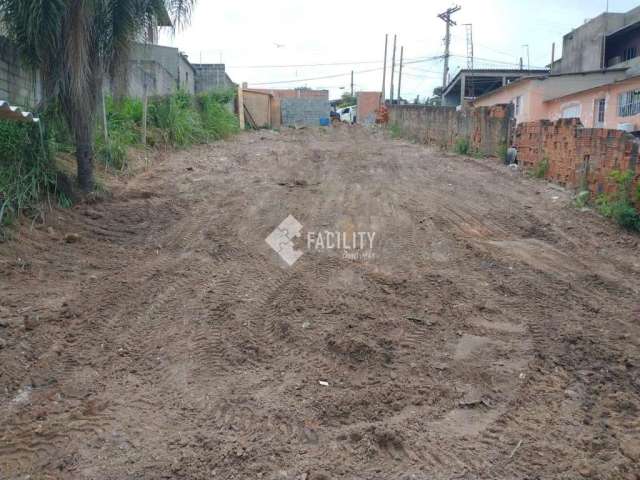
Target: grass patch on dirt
{"x": 395, "y": 131}
{"x": 27, "y": 173}
{"x": 618, "y": 205}
{"x": 541, "y": 168}
{"x": 462, "y": 146}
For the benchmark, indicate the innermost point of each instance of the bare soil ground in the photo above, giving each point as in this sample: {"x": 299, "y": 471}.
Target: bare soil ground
{"x": 495, "y": 334}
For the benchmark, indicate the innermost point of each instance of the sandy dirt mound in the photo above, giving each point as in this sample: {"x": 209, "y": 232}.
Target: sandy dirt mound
{"x": 493, "y": 334}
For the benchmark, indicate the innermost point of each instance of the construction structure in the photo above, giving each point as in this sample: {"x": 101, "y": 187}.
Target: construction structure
{"x": 468, "y": 84}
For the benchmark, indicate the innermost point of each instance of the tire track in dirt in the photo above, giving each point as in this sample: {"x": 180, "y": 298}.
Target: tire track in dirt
{"x": 475, "y": 344}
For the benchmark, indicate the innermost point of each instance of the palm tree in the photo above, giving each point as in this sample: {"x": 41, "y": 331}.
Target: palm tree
{"x": 74, "y": 43}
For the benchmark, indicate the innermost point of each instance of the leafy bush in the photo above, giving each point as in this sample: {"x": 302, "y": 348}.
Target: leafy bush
{"x": 462, "y": 146}
{"x": 26, "y": 168}
{"x": 617, "y": 205}
{"x": 541, "y": 169}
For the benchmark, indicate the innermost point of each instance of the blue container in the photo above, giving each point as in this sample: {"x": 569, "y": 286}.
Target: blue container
{"x": 324, "y": 122}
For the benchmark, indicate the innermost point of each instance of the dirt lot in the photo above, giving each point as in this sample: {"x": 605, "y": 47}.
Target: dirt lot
{"x": 493, "y": 334}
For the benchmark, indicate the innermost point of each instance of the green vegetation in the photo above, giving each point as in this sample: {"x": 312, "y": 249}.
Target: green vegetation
{"x": 26, "y": 168}
{"x": 347, "y": 100}
{"x": 179, "y": 120}
{"x": 618, "y": 205}
{"x": 502, "y": 151}
{"x": 462, "y": 146}
{"x": 184, "y": 120}
{"x": 394, "y": 130}
{"x": 582, "y": 199}
{"x": 73, "y": 44}
{"x": 541, "y": 169}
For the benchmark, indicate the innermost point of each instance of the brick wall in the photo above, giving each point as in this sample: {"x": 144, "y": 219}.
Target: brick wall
{"x": 368, "y": 103}
{"x": 577, "y": 156}
{"x": 486, "y": 128}
{"x": 303, "y": 111}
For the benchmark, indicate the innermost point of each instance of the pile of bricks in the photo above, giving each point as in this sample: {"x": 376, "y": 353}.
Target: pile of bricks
{"x": 578, "y": 157}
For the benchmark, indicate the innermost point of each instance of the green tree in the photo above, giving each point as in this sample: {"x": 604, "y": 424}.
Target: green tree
{"x": 74, "y": 43}
{"x": 347, "y": 100}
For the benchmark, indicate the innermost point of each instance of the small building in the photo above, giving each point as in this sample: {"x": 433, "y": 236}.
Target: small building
{"x": 608, "y": 40}
{"x": 529, "y": 94}
{"x": 600, "y": 99}
{"x": 469, "y": 84}
{"x": 615, "y": 105}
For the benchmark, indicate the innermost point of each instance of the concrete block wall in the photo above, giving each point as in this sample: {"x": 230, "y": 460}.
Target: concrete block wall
{"x": 578, "y": 157}
{"x": 18, "y": 84}
{"x": 303, "y": 111}
{"x": 211, "y": 76}
{"x": 486, "y": 128}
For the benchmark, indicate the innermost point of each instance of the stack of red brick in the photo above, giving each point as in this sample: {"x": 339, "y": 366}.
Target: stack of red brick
{"x": 577, "y": 156}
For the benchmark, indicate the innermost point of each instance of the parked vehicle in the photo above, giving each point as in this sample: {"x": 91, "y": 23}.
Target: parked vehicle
{"x": 348, "y": 114}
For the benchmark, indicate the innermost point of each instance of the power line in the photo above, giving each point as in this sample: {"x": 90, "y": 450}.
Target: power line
{"x": 338, "y": 75}
{"x": 500, "y": 62}
{"x": 324, "y": 64}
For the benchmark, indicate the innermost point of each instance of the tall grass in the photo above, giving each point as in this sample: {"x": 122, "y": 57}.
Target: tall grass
{"x": 27, "y": 173}
{"x": 217, "y": 122}
{"x": 184, "y": 120}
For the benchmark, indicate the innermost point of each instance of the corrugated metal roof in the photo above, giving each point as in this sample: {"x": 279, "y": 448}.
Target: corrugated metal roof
{"x": 16, "y": 114}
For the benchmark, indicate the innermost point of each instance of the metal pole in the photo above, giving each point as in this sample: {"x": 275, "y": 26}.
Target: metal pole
{"x": 400, "y": 73}
{"x": 384, "y": 68}
{"x": 352, "y": 83}
{"x": 393, "y": 69}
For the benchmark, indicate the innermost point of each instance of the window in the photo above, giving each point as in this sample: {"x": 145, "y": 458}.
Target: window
{"x": 629, "y": 103}
{"x": 517, "y": 105}
{"x": 629, "y": 53}
{"x": 601, "y": 104}
{"x": 571, "y": 111}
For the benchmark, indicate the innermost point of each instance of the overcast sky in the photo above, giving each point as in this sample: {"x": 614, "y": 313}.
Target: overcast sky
{"x": 285, "y": 34}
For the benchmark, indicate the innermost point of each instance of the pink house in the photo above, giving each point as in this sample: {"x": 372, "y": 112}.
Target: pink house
{"x": 605, "y": 99}
{"x": 615, "y": 106}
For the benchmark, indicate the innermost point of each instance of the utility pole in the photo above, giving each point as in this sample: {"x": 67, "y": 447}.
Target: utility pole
{"x": 446, "y": 17}
{"x": 393, "y": 67}
{"x": 384, "y": 69}
{"x": 352, "y": 83}
{"x": 553, "y": 54}
{"x": 400, "y": 73}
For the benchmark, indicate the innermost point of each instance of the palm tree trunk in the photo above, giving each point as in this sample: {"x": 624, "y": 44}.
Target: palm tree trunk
{"x": 84, "y": 157}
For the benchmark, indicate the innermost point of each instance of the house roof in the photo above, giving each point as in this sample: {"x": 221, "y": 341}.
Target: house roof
{"x": 595, "y": 88}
